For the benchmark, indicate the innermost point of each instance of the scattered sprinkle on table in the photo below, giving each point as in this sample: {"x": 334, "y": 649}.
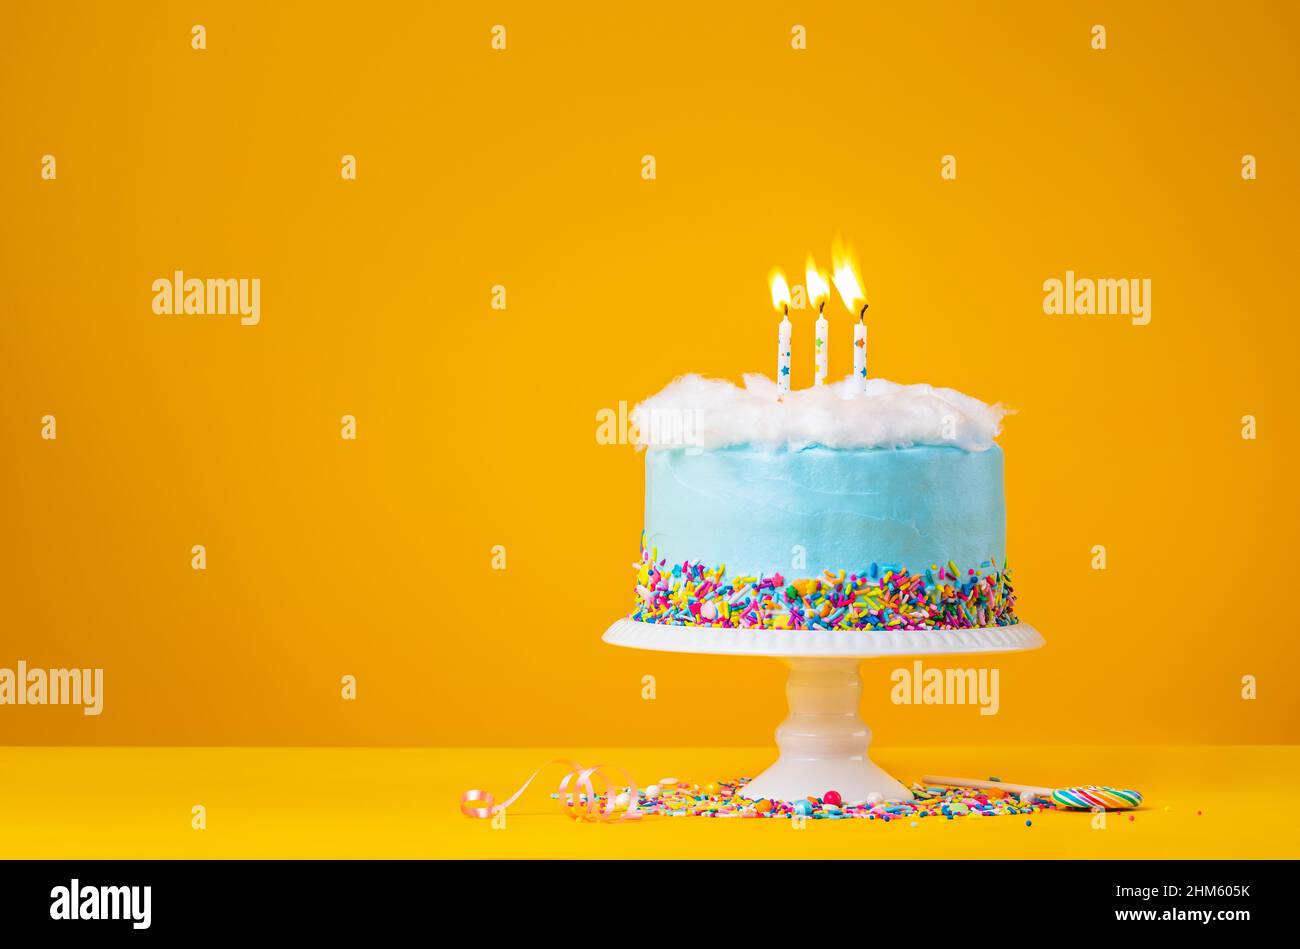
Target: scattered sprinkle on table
{"x": 723, "y": 799}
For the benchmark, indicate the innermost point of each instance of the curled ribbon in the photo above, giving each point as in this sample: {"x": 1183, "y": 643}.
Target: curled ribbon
{"x": 577, "y": 792}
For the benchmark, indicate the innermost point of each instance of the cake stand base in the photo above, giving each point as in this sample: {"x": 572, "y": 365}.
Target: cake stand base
{"x": 823, "y": 744}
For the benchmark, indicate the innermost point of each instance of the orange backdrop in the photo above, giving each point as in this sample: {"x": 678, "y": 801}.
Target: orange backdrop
{"x": 477, "y": 427}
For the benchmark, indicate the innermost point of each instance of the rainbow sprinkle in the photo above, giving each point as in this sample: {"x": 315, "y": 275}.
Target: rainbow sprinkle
{"x": 877, "y": 597}
{"x": 722, "y": 799}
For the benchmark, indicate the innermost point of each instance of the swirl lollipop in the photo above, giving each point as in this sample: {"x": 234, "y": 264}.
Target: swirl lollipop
{"x": 1090, "y": 796}
{"x": 1085, "y": 797}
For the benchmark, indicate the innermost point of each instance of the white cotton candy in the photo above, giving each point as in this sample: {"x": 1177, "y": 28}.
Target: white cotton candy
{"x": 715, "y": 413}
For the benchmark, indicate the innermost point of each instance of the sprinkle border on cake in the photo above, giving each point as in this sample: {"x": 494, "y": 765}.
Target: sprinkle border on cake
{"x": 885, "y": 597}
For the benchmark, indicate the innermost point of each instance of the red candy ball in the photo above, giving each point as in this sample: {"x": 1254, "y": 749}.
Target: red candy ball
{"x": 832, "y": 797}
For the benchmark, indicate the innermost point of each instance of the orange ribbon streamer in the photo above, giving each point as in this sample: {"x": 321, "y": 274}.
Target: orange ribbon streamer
{"x": 577, "y": 793}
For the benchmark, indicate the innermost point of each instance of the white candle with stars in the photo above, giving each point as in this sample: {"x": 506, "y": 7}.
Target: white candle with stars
{"x": 781, "y": 300}
{"x": 845, "y": 278}
{"x": 818, "y": 291}
{"x": 860, "y": 351}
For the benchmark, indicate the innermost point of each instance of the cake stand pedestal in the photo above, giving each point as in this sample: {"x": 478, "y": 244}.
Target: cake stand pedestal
{"x": 823, "y": 744}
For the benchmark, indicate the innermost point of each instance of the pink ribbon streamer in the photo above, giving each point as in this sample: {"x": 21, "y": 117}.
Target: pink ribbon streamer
{"x": 577, "y": 793}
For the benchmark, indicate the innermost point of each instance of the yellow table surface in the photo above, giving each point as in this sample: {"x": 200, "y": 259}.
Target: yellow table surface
{"x": 366, "y": 802}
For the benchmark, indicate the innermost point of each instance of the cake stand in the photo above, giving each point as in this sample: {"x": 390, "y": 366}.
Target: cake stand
{"x": 823, "y": 744}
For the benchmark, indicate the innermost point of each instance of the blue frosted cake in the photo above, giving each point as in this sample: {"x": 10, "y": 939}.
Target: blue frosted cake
{"x": 854, "y": 506}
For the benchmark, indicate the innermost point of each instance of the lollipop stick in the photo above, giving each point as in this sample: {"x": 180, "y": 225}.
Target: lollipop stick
{"x": 986, "y": 785}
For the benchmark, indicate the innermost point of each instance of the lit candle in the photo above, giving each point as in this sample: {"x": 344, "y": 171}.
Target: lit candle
{"x": 845, "y": 278}
{"x": 781, "y": 300}
{"x": 818, "y": 291}
{"x": 860, "y": 350}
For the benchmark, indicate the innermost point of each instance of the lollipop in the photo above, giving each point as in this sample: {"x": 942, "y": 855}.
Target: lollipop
{"x": 1090, "y": 796}
{"x": 1085, "y": 797}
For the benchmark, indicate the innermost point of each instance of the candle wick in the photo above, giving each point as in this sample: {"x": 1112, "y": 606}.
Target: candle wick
{"x": 862, "y": 317}
{"x": 785, "y": 309}
{"x": 821, "y": 308}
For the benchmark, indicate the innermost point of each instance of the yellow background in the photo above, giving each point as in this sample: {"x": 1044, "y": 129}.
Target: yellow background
{"x": 477, "y": 427}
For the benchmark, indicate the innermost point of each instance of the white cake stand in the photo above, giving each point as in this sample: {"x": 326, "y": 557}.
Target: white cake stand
{"x": 823, "y": 744}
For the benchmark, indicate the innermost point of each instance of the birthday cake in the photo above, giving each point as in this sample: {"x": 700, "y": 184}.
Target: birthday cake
{"x": 860, "y": 505}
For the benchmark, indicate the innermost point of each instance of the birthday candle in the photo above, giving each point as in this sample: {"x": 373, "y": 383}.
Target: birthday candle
{"x": 823, "y": 355}
{"x": 781, "y": 300}
{"x": 783, "y": 354}
{"x": 845, "y": 278}
{"x": 818, "y": 290}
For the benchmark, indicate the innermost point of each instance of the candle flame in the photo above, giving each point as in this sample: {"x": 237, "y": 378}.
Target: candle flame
{"x": 780, "y": 291}
{"x": 846, "y": 280}
{"x": 819, "y": 290}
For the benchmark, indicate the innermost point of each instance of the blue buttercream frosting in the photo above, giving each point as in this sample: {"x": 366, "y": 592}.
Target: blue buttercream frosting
{"x": 756, "y": 509}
